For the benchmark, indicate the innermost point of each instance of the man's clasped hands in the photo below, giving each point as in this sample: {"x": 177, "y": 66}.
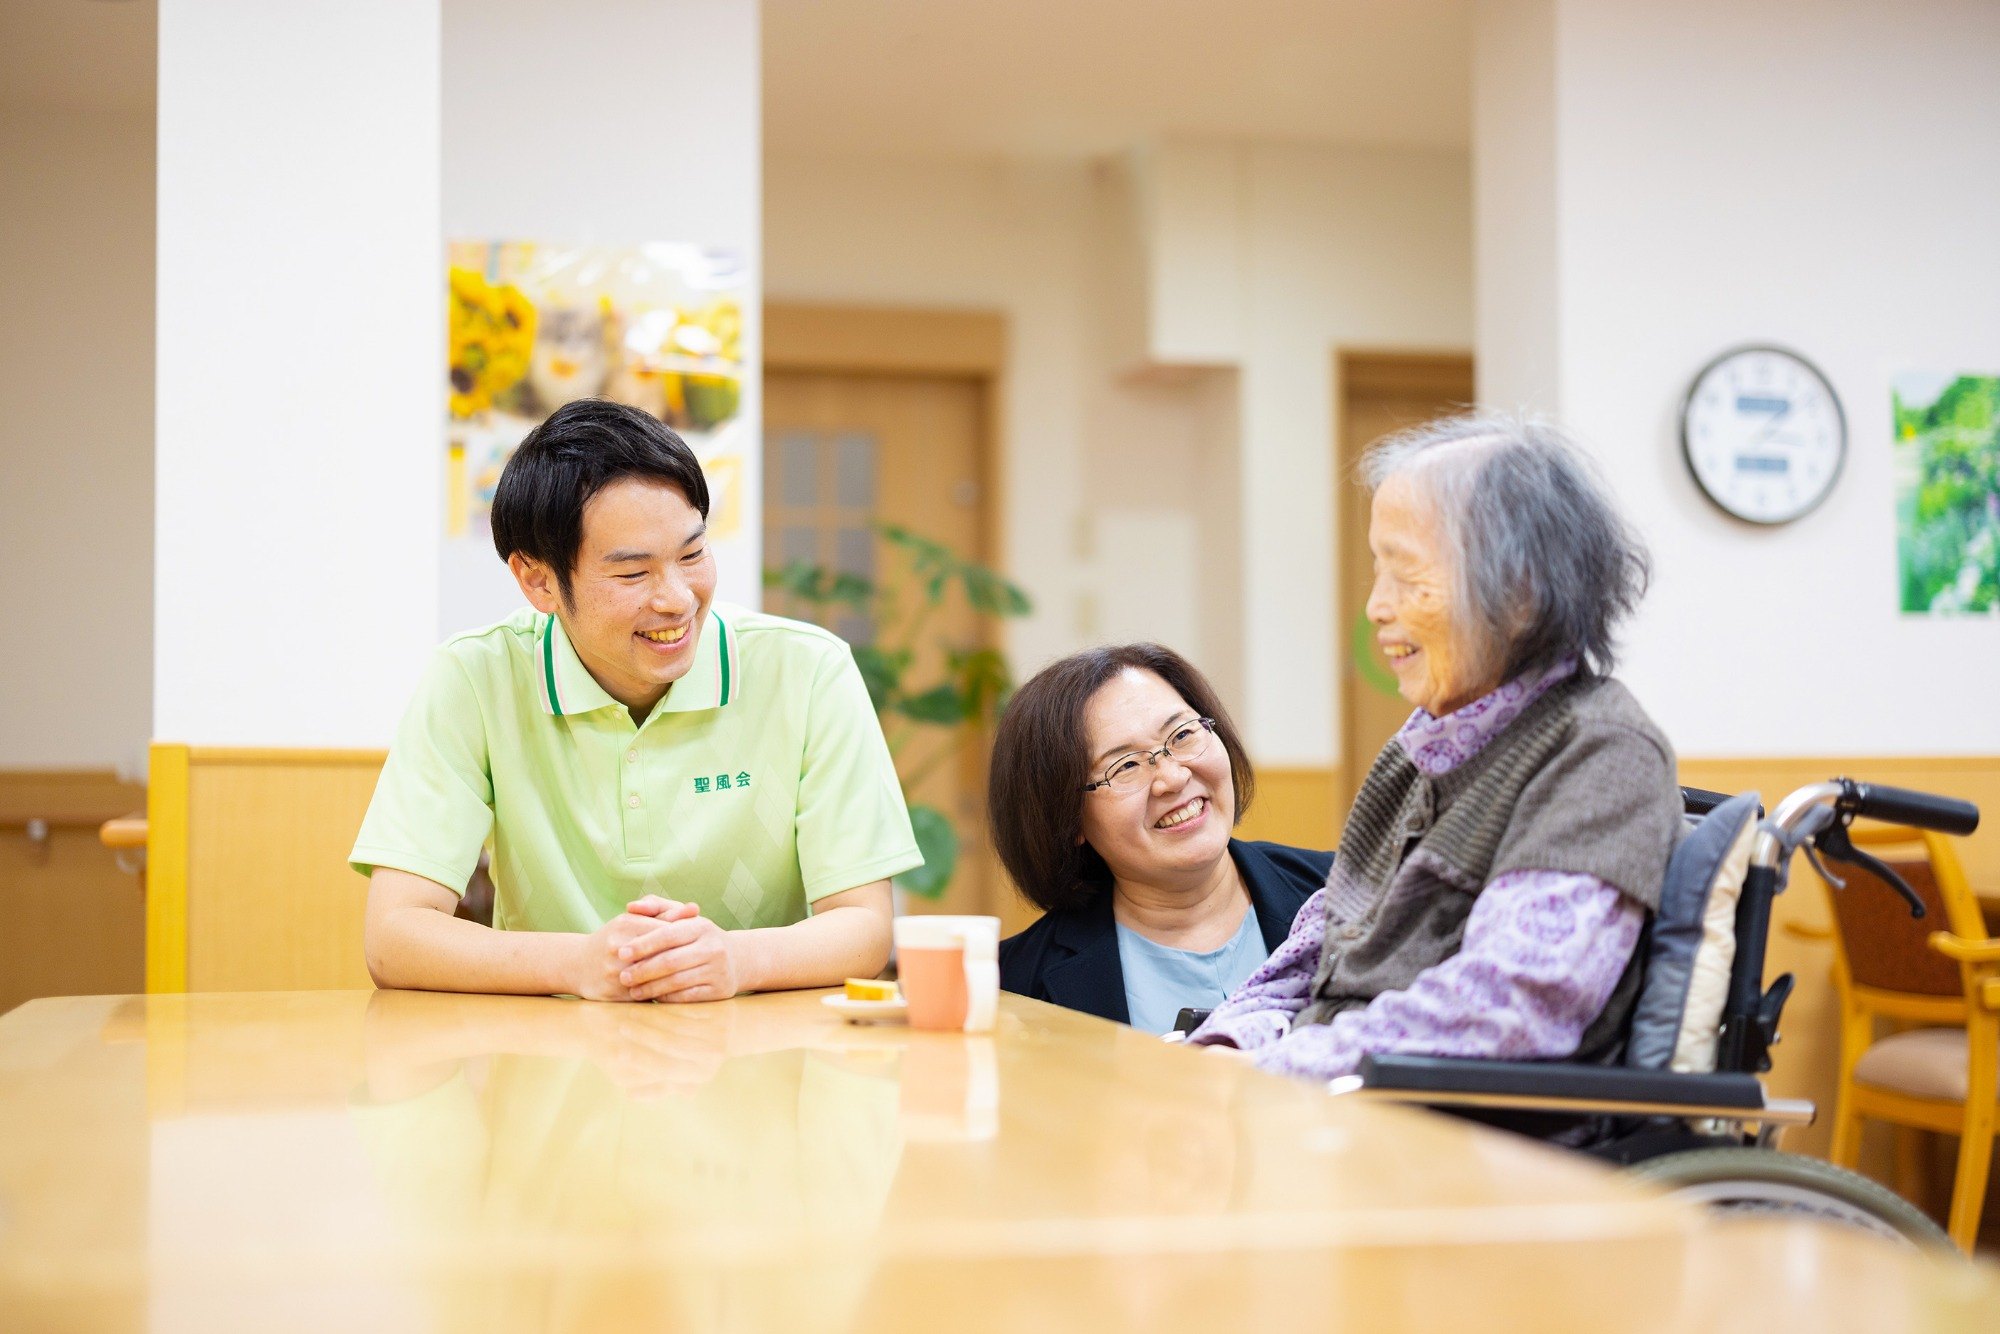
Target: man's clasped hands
{"x": 660, "y": 949}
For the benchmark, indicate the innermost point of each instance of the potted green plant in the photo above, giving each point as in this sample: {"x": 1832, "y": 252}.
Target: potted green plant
{"x": 925, "y": 718}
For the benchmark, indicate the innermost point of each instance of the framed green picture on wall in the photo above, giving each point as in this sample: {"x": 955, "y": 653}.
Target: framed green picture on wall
{"x": 1947, "y": 468}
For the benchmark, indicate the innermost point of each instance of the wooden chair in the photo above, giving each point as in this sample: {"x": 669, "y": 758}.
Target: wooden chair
{"x": 1938, "y": 989}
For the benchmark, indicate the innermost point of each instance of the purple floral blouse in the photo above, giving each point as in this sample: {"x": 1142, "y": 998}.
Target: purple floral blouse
{"x": 1542, "y": 953}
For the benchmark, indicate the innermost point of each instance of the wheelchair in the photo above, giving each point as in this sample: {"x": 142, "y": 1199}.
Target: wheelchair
{"x": 1685, "y": 1108}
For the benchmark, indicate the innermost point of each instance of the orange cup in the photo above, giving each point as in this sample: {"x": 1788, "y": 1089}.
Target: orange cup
{"x": 949, "y": 968}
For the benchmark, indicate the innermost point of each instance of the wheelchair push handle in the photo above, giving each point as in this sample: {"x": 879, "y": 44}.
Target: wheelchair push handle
{"x": 1816, "y": 817}
{"x": 1898, "y": 805}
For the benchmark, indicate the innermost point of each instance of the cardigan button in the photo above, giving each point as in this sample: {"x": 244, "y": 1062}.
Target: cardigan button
{"x": 1350, "y": 933}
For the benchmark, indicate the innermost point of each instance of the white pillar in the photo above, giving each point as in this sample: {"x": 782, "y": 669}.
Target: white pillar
{"x": 300, "y": 331}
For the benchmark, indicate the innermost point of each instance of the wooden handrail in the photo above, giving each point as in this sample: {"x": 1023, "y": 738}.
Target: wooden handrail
{"x": 127, "y": 831}
{"x": 39, "y": 825}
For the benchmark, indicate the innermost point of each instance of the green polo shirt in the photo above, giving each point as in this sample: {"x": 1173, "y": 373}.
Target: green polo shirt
{"x": 759, "y": 785}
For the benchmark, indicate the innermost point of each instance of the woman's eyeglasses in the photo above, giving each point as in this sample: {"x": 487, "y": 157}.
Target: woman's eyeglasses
{"x": 1134, "y": 770}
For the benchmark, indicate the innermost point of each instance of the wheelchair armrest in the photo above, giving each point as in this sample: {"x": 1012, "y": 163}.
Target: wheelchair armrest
{"x": 1561, "y": 1087}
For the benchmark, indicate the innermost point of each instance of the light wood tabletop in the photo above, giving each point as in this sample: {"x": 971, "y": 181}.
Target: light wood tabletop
{"x": 401, "y": 1160}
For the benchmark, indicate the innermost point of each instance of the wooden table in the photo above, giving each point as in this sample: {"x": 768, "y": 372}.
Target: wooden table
{"x": 398, "y": 1160}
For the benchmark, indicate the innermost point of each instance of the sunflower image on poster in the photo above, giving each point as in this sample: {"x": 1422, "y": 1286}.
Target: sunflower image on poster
{"x": 1947, "y": 467}
{"x": 532, "y": 326}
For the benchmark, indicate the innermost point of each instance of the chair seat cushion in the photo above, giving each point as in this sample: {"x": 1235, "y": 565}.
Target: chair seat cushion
{"x": 1928, "y": 1063}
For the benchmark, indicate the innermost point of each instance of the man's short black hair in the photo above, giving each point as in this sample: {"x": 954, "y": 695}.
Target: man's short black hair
{"x": 582, "y": 448}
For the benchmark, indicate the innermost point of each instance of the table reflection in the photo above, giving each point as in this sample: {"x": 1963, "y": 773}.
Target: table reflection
{"x": 613, "y": 1136}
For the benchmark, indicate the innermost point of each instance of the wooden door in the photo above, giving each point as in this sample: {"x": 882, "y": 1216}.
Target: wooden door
{"x": 843, "y": 451}
{"x": 1380, "y": 393}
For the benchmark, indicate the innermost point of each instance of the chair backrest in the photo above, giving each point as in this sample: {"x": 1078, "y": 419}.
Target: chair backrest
{"x": 1691, "y": 943}
{"x": 1881, "y": 946}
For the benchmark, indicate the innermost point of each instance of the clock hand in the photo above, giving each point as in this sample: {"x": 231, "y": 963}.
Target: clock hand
{"x": 1771, "y": 427}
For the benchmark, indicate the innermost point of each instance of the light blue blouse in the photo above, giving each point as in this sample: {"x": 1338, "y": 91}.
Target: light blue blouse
{"x": 1160, "y": 980}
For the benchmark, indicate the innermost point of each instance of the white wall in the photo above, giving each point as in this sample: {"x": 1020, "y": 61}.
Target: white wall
{"x": 1332, "y": 247}
{"x": 76, "y": 434}
{"x": 606, "y": 122}
{"x": 1821, "y": 176}
{"x": 298, "y": 393}
{"x": 1514, "y": 199}
{"x": 1173, "y": 322}
{"x": 1103, "y": 469}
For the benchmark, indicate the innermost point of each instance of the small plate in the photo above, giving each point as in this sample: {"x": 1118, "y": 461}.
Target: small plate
{"x": 867, "y": 1011}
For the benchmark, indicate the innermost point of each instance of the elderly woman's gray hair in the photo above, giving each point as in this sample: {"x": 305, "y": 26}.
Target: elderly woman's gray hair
{"x": 1546, "y": 565}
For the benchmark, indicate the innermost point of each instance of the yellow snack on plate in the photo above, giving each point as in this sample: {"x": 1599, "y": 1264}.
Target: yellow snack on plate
{"x": 863, "y": 989}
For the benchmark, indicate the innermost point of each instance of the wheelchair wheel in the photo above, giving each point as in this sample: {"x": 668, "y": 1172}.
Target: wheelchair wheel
{"x": 1742, "y": 1180}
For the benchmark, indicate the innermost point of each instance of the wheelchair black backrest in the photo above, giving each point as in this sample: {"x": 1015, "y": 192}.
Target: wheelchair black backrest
{"x": 1685, "y": 1017}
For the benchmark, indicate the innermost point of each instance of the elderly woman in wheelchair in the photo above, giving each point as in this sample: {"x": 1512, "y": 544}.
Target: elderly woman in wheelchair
{"x": 1497, "y": 869}
{"x": 1524, "y": 921}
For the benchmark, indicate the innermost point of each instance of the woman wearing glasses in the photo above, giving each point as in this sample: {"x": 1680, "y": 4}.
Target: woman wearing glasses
{"x": 1117, "y": 777}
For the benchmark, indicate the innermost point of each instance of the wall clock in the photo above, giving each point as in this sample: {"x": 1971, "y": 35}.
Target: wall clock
{"x": 1763, "y": 434}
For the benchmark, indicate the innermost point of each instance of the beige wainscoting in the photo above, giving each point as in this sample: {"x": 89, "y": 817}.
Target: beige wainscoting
{"x": 1296, "y": 806}
{"x": 72, "y": 922}
{"x": 249, "y": 888}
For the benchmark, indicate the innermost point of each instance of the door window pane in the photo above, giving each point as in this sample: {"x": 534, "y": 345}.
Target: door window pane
{"x": 854, "y": 628}
{"x": 854, "y": 552}
{"x": 798, "y": 469}
{"x": 797, "y": 542}
{"x": 854, "y": 470}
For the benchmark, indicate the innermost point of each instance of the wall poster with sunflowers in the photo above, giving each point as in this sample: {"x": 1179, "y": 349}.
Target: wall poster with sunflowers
{"x": 533, "y": 326}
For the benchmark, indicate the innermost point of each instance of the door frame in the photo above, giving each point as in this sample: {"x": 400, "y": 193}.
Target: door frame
{"x": 1373, "y": 371}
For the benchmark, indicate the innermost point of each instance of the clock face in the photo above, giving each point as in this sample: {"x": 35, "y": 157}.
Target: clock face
{"x": 1763, "y": 434}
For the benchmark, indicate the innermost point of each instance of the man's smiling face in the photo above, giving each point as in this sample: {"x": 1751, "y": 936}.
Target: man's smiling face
{"x": 640, "y": 591}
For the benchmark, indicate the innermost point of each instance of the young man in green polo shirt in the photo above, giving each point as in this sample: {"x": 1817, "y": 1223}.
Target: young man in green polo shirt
{"x": 683, "y": 800}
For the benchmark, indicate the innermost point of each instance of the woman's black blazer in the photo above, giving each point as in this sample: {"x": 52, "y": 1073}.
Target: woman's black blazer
{"x": 1071, "y": 958}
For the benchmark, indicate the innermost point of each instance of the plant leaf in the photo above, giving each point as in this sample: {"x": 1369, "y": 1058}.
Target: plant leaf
{"x": 983, "y": 680}
{"x": 821, "y": 586}
{"x": 991, "y": 593}
{"x": 881, "y": 671}
{"x": 938, "y": 841}
{"x": 939, "y": 704}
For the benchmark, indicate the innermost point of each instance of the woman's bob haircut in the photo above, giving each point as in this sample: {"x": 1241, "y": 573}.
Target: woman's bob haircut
{"x": 1041, "y": 760}
{"x": 1545, "y": 566}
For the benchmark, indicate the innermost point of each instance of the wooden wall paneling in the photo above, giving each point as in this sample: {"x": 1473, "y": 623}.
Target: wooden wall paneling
{"x": 72, "y": 923}
{"x": 1300, "y": 806}
{"x": 272, "y": 904}
{"x": 1975, "y": 778}
{"x": 84, "y": 798}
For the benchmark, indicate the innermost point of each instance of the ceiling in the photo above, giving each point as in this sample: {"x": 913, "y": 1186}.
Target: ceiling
{"x": 1057, "y": 78}
{"x": 1070, "y": 78}
{"x": 78, "y": 55}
